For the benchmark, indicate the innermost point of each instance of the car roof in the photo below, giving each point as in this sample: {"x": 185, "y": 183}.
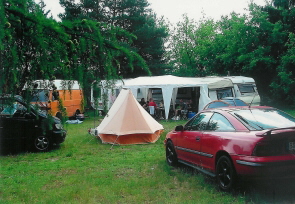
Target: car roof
{"x": 234, "y": 108}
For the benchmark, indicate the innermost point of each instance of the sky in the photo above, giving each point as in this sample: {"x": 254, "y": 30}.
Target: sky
{"x": 174, "y": 9}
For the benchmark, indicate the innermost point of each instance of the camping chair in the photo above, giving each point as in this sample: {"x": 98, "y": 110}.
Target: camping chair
{"x": 184, "y": 111}
{"x": 183, "y": 114}
{"x": 152, "y": 110}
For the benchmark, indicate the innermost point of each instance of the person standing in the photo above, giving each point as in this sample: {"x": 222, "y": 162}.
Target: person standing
{"x": 152, "y": 106}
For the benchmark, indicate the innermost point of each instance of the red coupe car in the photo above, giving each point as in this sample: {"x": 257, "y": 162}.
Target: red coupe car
{"x": 228, "y": 142}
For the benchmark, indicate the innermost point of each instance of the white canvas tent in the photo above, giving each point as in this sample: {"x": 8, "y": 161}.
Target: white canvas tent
{"x": 170, "y": 84}
{"x": 128, "y": 123}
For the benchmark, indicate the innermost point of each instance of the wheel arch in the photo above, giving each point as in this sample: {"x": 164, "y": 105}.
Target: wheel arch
{"x": 220, "y": 154}
{"x": 168, "y": 140}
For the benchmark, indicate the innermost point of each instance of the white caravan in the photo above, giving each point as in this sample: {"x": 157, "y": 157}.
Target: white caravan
{"x": 245, "y": 89}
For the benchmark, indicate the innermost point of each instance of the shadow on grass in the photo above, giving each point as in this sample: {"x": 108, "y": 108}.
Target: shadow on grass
{"x": 273, "y": 190}
{"x": 15, "y": 152}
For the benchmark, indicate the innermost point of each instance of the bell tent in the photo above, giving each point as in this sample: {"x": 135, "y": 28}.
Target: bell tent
{"x": 128, "y": 123}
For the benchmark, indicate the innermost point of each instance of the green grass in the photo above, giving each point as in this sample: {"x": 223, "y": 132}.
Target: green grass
{"x": 83, "y": 170}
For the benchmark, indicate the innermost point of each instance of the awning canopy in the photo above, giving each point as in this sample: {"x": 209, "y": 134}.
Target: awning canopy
{"x": 170, "y": 84}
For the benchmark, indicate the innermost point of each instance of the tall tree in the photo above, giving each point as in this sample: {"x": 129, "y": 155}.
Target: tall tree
{"x": 191, "y": 47}
{"x": 32, "y": 47}
{"x": 132, "y": 16}
{"x": 282, "y": 13}
{"x": 37, "y": 47}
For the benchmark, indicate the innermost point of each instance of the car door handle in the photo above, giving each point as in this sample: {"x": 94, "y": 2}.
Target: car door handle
{"x": 198, "y": 138}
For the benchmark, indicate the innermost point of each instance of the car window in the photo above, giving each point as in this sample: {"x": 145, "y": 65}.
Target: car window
{"x": 219, "y": 123}
{"x": 199, "y": 122}
{"x": 260, "y": 119}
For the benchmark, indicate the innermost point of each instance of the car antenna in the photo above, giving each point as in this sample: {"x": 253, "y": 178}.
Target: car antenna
{"x": 252, "y": 100}
{"x": 234, "y": 100}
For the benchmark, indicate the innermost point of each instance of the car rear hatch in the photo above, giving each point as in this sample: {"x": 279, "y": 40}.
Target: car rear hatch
{"x": 275, "y": 142}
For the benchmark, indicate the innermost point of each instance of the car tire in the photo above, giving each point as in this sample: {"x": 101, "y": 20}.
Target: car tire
{"x": 42, "y": 143}
{"x": 225, "y": 173}
{"x": 171, "y": 156}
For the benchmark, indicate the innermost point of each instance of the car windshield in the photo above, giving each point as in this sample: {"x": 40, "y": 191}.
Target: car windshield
{"x": 264, "y": 118}
{"x": 9, "y": 108}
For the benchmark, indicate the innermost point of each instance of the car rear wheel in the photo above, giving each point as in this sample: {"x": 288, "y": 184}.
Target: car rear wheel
{"x": 225, "y": 172}
{"x": 171, "y": 156}
{"x": 42, "y": 143}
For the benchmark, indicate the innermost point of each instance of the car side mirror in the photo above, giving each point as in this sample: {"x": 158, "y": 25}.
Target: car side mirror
{"x": 179, "y": 128}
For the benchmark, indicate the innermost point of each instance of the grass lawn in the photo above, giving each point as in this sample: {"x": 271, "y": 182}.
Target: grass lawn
{"x": 83, "y": 170}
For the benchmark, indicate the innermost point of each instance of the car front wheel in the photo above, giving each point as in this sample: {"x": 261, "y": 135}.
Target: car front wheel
{"x": 42, "y": 143}
{"x": 225, "y": 172}
{"x": 171, "y": 156}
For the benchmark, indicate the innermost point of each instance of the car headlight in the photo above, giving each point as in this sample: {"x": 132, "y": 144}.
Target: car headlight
{"x": 58, "y": 126}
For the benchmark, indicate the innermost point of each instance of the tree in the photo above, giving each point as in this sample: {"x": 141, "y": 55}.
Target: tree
{"x": 133, "y": 17}
{"x": 32, "y": 46}
{"x": 37, "y": 47}
{"x": 190, "y": 47}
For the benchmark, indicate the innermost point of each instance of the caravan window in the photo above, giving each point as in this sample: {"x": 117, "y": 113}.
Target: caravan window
{"x": 156, "y": 91}
{"x": 222, "y": 93}
{"x": 247, "y": 88}
{"x": 40, "y": 96}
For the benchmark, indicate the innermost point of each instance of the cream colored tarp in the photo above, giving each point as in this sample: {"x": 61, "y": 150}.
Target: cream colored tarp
{"x": 128, "y": 123}
{"x": 169, "y": 85}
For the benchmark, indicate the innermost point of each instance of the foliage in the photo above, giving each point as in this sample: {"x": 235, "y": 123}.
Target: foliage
{"x": 134, "y": 17}
{"x": 37, "y": 47}
{"x": 259, "y": 45}
{"x": 189, "y": 42}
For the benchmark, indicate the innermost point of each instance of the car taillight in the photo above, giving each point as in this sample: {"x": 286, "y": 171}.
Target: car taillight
{"x": 267, "y": 148}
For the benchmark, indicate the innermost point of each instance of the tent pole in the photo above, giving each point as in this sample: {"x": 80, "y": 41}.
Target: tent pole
{"x": 94, "y": 117}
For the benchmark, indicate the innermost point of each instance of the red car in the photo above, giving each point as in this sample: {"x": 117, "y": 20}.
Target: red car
{"x": 228, "y": 142}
